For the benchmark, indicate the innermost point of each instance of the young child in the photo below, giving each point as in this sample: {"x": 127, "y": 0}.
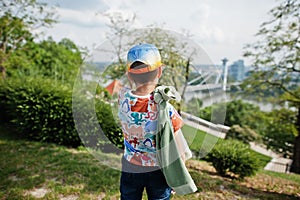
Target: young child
{"x": 138, "y": 114}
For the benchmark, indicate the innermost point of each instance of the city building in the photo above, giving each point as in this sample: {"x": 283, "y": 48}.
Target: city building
{"x": 237, "y": 71}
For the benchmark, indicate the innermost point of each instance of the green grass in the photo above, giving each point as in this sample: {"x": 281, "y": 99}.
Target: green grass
{"x": 263, "y": 159}
{"x": 27, "y": 167}
{"x": 198, "y": 139}
{"x": 289, "y": 177}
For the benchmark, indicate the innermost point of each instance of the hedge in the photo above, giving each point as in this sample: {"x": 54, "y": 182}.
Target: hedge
{"x": 42, "y": 110}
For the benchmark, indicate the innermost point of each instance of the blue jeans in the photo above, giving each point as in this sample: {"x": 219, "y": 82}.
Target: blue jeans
{"x": 132, "y": 186}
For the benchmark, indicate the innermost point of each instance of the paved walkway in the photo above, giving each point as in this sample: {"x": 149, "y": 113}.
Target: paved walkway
{"x": 279, "y": 165}
{"x": 263, "y": 150}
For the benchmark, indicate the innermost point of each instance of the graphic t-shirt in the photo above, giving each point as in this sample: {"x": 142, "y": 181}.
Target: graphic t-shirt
{"x": 138, "y": 116}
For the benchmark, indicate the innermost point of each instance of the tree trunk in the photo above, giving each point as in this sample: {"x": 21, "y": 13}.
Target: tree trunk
{"x": 296, "y": 152}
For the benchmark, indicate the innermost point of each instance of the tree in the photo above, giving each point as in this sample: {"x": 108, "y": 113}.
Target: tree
{"x": 13, "y": 36}
{"x": 276, "y": 57}
{"x": 58, "y": 60}
{"x": 18, "y": 20}
{"x": 120, "y": 27}
{"x": 122, "y": 36}
{"x": 237, "y": 112}
{"x": 280, "y": 131}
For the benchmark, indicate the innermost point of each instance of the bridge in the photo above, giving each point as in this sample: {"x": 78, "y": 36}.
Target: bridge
{"x": 200, "y": 87}
{"x": 210, "y": 77}
{"x": 209, "y": 86}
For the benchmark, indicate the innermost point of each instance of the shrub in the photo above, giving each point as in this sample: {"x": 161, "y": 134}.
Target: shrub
{"x": 43, "y": 110}
{"x": 232, "y": 156}
{"x": 39, "y": 109}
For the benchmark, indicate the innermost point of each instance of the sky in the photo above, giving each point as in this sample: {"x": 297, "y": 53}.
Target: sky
{"x": 221, "y": 27}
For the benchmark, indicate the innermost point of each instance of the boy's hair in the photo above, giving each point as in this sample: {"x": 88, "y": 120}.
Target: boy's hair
{"x": 142, "y": 78}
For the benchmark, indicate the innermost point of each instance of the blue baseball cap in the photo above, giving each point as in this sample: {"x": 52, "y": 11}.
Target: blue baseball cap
{"x": 145, "y": 53}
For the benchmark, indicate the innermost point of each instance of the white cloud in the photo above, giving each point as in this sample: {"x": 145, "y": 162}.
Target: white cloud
{"x": 77, "y": 4}
{"x": 221, "y": 27}
{"x": 202, "y": 13}
{"x": 86, "y": 18}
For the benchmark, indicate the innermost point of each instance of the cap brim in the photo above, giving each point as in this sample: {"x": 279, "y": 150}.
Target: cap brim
{"x": 139, "y": 71}
{"x": 143, "y": 70}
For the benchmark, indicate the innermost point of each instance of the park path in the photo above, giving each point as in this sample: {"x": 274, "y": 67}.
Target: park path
{"x": 277, "y": 163}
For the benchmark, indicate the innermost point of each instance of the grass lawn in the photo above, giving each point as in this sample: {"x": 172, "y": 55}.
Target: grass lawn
{"x": 34, "y": 170}
{"x": 37, "y": 169}
{"x": 197, "y": 138}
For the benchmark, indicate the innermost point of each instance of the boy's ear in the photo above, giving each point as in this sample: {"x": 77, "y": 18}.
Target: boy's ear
{"x": 159, "y": 72}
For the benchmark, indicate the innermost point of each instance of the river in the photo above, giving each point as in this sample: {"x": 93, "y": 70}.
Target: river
{"x": 219, "y": 96}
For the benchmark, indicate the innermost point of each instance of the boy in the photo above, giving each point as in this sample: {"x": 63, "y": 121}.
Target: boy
{"x": 138, "y": 114}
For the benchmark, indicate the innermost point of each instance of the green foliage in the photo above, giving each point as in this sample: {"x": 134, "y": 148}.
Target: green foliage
{"x": 275, "y": 129}
{"x": 18, "y": 19}
{"x": 280, "y": 131}
{"x": 114, "y": 71}
{"x": 111, "y": 129}
{"x": 34, "y": 13}
{"x": 18, "y": 64}
{"x": 43, "y": 110}
{"x": 244, "y": 134}
{"x": 231, "y": 156}
{"x": 14, "y": 33}
{"x": 193, "y": 106}
{"x": 40, "y": 111}
{"x": 21, "y": 56}
{"x": 275, "y": 56}
{"x": 60, "y": 61}
{"x": 237, "y": 112}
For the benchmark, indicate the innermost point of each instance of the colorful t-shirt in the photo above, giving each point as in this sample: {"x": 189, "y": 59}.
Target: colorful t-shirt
{"x": 138, "y": 116}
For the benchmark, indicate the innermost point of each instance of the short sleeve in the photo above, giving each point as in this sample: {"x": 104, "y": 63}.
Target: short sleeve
{"x": 176, "y": 119}
{"x": 121, "y": 94}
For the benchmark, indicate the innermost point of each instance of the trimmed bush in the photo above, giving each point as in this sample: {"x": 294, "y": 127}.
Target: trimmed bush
{"x": 42, "y": 110}
{"x": 233, "y": 158}
{"x": 39, "y": 109}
